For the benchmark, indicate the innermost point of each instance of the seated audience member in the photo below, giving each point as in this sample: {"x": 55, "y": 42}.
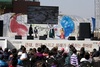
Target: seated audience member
{"x": 33, "y": 57}
{"x": 94, "y": 52}
{"x": 23, "y": 58}
{"x": 51, "y": 59}
{"x": 69, "y": 51}
{"x": 2, "y": 62}
{"x": 74, "y": 59}
{"x": 85, "y": 61}
{"x": 13, "y": 61}
{"x": 82, "y": 52}
{"x": 29, "y": 52}
{"x": 46, "y": 52}
{"x": 60, "y": 53}
{"x": 39, "y": 54}
{"x": 13, "y": 52}
{"x": 86, "y": 57}
{"x": 96, "y": 58}
{"x": 20, "y": 51}
{"x": 23, "y": 55}
{"x": 6, "y": 54}
{"x": 13, "y": 58}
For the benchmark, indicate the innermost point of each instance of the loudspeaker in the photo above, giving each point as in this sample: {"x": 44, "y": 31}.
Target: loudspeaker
{"x": 18, "y": 37}
{"x": 30, "y": 37}
{"x": 80, "y": 38}
{"x": 42, "y": 38}
{"x": 84, "y": 30}
{"x": 1, "y": 28}
{"x": 71, "y": 38}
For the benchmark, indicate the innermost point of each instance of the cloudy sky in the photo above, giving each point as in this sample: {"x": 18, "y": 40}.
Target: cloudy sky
{"x": 82, "y": 8}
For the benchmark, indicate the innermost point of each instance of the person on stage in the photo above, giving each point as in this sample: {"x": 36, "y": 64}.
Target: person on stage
{"x": 51, "y": 32}
{"x": 62, "y": 35}
{"x": 35, "y": 32}
{"x": 30, "y": 30}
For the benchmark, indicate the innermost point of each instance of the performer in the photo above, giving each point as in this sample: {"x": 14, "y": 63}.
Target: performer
{"x": 30, "y": 30}
{"x": 51, "y": 33}
{"x": 35, "y": 32}
{"x": 62, "y": 35}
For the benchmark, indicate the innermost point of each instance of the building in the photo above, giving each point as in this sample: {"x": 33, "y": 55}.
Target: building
{"x": 97, "y": 13}
{"x": 16, "y": 6}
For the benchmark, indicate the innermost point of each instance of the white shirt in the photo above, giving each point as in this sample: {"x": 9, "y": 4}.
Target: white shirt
{"x": 83, "y": 59}
{"x": 24, "y": 55}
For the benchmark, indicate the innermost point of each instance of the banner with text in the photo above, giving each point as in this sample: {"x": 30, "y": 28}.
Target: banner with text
{"x": 89, "y": 45}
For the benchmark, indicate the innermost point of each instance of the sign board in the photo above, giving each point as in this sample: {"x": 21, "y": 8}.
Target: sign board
{"x": 89, "y": 45}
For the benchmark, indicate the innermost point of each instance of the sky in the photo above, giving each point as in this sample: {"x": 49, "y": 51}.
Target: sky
{"x": 82, "y": 8}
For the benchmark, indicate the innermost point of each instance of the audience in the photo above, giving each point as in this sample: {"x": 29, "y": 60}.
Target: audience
{"x": 44, "y": 57}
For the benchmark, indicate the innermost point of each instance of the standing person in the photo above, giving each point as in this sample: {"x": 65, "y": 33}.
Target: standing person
{"x": 62, "y": 35}
{"x": 35, "y": 32}
{"x": 51, "y": 32}
{"x": 30, "y": 30}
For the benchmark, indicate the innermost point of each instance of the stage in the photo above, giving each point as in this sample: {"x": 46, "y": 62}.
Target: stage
{"x": 88, "y": 44}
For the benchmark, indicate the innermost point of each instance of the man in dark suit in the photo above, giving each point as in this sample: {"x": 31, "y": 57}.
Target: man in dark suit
{"x": 52, "y": 33}
{"x": 30, "y": 30}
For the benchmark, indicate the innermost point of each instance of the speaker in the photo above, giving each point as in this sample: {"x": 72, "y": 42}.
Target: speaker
{"x": 30, "y": 37}
{"x": 42, "y": 38}
{"x": 84, "y": 30}
{"x": 71, "y": 38}
{"x": 80, "y": 38}
{"x": 18, "y": 37}
{"x": 1, "y": 28}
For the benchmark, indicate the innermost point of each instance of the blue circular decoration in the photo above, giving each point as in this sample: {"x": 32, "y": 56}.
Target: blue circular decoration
{"x": 68, "y": 25}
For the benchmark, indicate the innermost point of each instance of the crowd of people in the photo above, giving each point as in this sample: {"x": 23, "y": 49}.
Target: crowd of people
{"x": 45, "y": 57}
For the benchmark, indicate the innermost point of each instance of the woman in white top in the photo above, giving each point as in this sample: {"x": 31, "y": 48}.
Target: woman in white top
{"x": 86, "y": 57}
{"x": 24, "y": 54}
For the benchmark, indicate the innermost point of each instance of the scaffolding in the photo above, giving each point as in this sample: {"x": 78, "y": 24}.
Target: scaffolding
{"x": 97, "y": 14}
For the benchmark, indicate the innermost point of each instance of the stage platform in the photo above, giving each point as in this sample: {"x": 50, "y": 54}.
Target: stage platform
{"x": 88, "y": 44}
{"x": 49, "y": 42}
